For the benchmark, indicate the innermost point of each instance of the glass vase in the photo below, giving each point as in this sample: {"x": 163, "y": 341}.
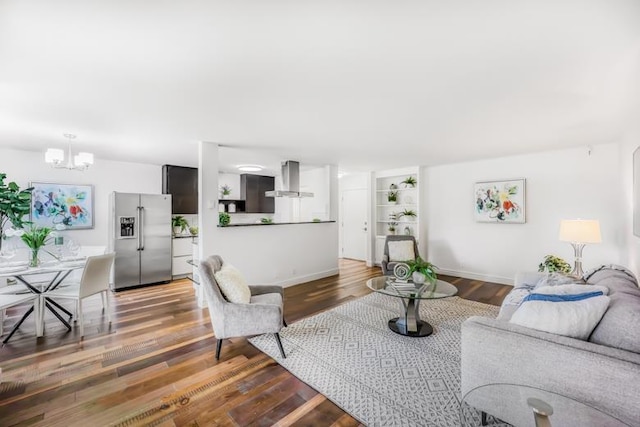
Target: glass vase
{"x": 34, "y": 261}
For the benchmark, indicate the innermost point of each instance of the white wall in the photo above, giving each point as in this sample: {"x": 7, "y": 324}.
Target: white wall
{"x": 266, "y": 254}
{"x": 106, "y": 176}
{"x": 561, "y": 184}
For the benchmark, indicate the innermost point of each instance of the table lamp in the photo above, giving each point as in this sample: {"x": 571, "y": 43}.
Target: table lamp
{"x": 579, "y": 232}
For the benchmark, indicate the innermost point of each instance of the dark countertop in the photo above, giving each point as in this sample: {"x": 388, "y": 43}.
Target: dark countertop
{"x": 273, "y": 223}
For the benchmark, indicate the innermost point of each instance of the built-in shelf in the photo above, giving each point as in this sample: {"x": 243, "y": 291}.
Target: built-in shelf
{"x": 397, "y": 189}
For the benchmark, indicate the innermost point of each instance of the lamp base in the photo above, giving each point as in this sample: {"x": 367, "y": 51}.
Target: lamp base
{"x": 577, "y": 262}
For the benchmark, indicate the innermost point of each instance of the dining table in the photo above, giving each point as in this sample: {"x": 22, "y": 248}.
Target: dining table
{"x": 56, "y": 272}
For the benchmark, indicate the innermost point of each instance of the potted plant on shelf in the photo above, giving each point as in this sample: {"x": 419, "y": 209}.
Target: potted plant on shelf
{"x": 408, "y": 212}
{"x": 552, "y": 264}
{"x": 14, "y": 205}
{"x": 225, "y": 191}
{"x": 392, "y": 197}
{"x": 179, "y": 224}
{"x": 193, "y": 230}
{"x": 224, "y": 219}
{"x": 422, "y": 271}
{"x": 392, "y": 227}
{"x": 409, "y": 181}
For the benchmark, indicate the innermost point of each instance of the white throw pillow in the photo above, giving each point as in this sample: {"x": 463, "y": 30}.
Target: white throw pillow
{"x": 401, "y": 250}
{"x": 233, "y": 285}
{"x": 575, "y": 319}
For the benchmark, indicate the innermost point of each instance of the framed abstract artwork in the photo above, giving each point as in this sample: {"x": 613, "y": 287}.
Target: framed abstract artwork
{"x": 500, "y": 201}
{"x": 70, "y": 205}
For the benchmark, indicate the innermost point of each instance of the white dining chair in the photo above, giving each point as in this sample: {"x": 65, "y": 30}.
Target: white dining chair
{"x": 8, "y": 301}
{"x": 95, "y": 279}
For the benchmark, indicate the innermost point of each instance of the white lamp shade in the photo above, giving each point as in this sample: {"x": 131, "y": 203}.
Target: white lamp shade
{"x": 54, "y": 155}
{"x": 85, "y": 159}
{"x": 580, "y": 231}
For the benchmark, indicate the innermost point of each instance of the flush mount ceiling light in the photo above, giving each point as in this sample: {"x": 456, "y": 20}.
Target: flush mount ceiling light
{"x": 55, "y": 157}
{"x": 250, "y": 168}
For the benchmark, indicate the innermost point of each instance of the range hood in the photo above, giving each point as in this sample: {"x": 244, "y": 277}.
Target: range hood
{"x": 290, "y": 181}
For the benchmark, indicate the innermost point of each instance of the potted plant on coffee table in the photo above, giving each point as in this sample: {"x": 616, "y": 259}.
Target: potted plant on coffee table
{"x": 422, "y": 271}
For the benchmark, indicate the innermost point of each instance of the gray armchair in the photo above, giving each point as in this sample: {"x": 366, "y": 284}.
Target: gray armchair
{"x": 263, "y": 314}
{"x": 387, "y": 264}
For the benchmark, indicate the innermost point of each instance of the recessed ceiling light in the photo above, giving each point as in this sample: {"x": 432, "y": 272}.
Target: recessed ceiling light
{"x": 250, "y": 168}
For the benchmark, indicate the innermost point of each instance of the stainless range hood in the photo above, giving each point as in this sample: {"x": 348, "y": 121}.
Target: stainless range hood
{"x": 290, "y": 181}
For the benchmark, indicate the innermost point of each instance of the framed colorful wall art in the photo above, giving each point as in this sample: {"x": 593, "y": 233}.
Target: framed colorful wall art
{"x": 70, "y": 205}
{"x": 500, "y": 201}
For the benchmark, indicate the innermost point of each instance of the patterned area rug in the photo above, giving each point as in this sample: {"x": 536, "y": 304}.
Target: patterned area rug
{"x": 379, "y": 377}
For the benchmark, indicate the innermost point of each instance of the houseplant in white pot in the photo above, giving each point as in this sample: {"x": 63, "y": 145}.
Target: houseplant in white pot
{"x": 422, "y": 271}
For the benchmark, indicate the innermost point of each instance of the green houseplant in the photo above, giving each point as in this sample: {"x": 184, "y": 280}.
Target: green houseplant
{"x": 224, "y": 219}
{"x": 14, "y": 205}
{"x": 392, "y": 197}
{"x": 179, "y": 224}
{"x": 409, "y": 181}
{"x": 193, "y": 230}
{"x": 35, "y": 238}
{"x": 422, "y": 271}
{"x": 408, "y": 212}
{"x": 553, "y": 264}
{"x": 225, "y": 191}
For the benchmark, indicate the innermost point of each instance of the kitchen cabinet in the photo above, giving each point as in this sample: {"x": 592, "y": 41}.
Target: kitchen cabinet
{"x": 182, "y": 252}
{"x": 252, "y": 189}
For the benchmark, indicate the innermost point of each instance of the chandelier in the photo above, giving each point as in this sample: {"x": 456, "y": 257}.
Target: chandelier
{"x": 55, "y": 157}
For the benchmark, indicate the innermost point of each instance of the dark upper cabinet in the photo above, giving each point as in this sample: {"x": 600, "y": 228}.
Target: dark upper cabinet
{"x": 252, "y": 189}
{"x": 182, "y": 183}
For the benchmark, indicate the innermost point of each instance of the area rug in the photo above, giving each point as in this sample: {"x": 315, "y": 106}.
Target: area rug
{"x": 377, "y": 376}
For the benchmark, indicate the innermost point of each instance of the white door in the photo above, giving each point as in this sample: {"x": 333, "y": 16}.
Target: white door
{"x": 354, "y": 224}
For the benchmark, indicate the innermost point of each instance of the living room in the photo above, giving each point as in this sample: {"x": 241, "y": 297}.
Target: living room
{"x": 461, "y": 93}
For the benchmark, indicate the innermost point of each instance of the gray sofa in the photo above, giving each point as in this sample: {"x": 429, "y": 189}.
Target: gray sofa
{"x": 603, "y": 372}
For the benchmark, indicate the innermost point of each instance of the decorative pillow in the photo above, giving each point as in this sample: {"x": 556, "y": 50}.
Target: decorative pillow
{"x": 401, "y": 250}
{"x": 569, "y": 310}
{"x": 558, "y": 279}
{"x": 232, "y": 284}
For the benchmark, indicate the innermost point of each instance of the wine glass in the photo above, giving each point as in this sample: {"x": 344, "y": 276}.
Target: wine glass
{"x": 73, "y": 248}
{"x": 6, "y": 253}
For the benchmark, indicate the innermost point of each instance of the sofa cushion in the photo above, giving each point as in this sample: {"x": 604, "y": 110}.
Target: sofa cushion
{"x": 232, "y": 284}
{"x": 619, "y": 325}
{"x": 401, "y": 250}
{"x": 569, "y": 310}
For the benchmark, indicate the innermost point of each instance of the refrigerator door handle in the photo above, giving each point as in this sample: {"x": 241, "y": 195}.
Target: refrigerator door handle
{"x": 141, "y": 228}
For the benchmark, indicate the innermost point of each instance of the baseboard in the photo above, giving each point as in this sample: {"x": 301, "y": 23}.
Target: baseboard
{"x": 477, "y": 276}
{"x": 308, "y": 278}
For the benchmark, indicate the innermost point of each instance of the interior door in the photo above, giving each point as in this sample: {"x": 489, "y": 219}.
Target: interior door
{"x": 354, "y": 224}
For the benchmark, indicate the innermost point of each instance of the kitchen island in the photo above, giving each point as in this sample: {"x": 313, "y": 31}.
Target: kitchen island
{"x": 250, "y": 224}
{"x": 279, "y": 253}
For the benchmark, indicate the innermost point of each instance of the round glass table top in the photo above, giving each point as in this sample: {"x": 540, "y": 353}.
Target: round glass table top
{"x": 389, "y": 285}
{"x": 513, "y": 404}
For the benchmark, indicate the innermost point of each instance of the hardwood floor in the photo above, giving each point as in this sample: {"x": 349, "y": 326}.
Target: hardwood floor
{"x": 155, "y": 365}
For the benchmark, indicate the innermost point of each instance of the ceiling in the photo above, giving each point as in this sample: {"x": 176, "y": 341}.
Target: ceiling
{"x": 363, "y": 84}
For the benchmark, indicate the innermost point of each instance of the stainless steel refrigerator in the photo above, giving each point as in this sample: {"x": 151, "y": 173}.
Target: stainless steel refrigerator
{"x": 140, "y": 233}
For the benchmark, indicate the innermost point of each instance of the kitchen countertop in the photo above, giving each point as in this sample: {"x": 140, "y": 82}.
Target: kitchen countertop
{"x": 251, "y": 224}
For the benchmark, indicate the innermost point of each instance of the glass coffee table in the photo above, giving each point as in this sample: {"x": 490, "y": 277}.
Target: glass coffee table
{"x": 521, "y": 405}
{"x": 410, "y": 295}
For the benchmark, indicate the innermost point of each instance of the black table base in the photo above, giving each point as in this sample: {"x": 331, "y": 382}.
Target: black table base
{"x": 399, "y": 326}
